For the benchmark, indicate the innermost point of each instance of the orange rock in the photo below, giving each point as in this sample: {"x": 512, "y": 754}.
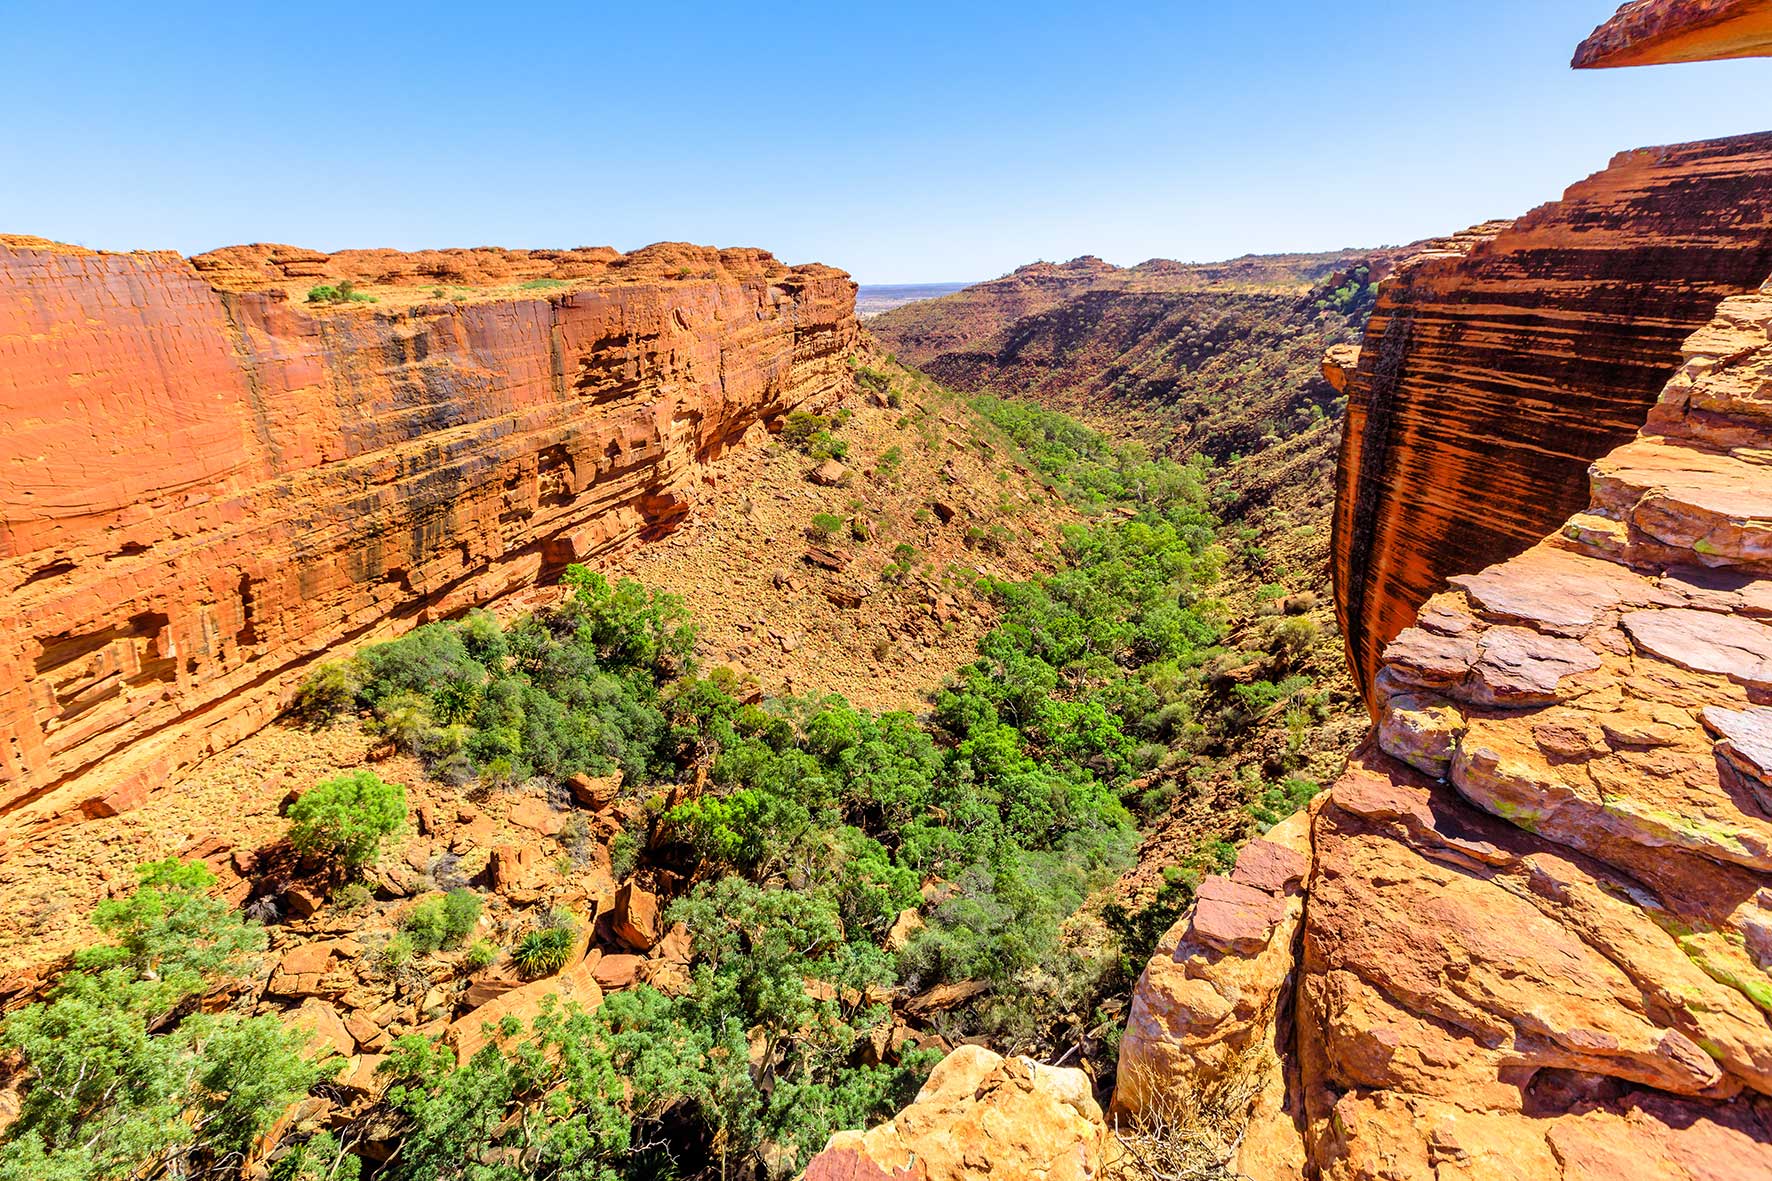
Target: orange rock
{"x": 1498, "y": 366}
{"x": 979, "y": 1116}
{"x": 208, "y": 484}
{"x": 577, "y": 985}
{"x": 536, "y": 816}
{"x": 634, "y": 917}
{"x": 1648, "y": 32}
{"x": 618, "y": 970}
{"x": 326, "y": 1029}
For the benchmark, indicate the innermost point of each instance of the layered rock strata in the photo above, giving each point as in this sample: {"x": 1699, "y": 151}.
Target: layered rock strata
{"x": 1496, "y": 368}
{"x": 1536, "y": 934}
{"x": 204, "y": 484}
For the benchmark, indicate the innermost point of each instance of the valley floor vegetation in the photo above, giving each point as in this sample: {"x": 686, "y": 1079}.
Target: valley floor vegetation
{"x": 807, "y": 835}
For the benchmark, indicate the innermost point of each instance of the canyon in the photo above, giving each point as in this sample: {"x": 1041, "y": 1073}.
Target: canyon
{"x": 210, "y": 482}
{"x": 1525, "y": 935}
{"x": 1473, "y": 535}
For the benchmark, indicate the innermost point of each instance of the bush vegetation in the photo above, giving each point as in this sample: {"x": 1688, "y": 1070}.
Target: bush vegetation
{"x": 344, "y": 820}
{"x": 122, "y": 1076}
{"x": 345, "y": 291}
{"x": 816, "y": 825}
{"x": 441, "y": 920}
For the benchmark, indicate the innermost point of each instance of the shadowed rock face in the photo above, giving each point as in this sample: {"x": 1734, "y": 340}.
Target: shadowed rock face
{"x": 1651, "y": 32}
{"x": 204, "y": 484}
{"x": 1494, "y": 372}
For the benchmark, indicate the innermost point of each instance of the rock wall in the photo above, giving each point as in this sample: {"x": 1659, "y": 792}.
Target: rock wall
{"x": 1496, "y": 369}
{"x": 1536, "y": 936}
{"x": 204, "y": 484}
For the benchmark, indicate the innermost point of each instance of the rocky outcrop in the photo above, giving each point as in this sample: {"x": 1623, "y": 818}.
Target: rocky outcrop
{"x": 1496, "y": 367}
{"x": 1536, "y": 934}
{"x": 205, "y": 484}
{"x": 1207, "y": 1042}
{"x": 979, "y": 1116}
{"x": 1650, "y": 32}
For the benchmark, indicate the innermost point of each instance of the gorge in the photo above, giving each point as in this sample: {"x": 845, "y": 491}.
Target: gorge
{"x": 482, "y": 714}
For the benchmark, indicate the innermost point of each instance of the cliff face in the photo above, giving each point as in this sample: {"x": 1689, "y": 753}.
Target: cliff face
{"x": 204, "y": 484}
{"x": 1495, "y": 371}
{"x": 1529, "y": 933}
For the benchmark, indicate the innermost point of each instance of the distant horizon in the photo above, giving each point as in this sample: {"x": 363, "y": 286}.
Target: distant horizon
{"x": 928, "y": 139}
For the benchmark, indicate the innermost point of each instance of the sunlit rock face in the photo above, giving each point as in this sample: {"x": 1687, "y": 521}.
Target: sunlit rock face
{"x": 1495, "y": 369}
{"x": 1530, "y": 933}
{"x": 206, "y": 482}
{"x": 1653, "y": 32}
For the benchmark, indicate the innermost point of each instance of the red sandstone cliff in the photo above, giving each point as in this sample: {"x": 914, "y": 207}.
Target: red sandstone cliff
{"x": 1528, "y": 935}
{"x": 1649, "y": 32}
{"x": 204, "y": 484}
{"x": 1495, "y": 371}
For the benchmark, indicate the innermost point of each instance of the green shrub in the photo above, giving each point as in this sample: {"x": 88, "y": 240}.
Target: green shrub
{"x": 801, "y": 426}
{"x": 344, "y": 292}
{"x": 481, "y": 954}
{"x": 824, "y": 526}
{"x": 624, "y": 855}
{"x": 326, "y": 692}
{"x": 117, "y": 1079}
{"x": 543, "y": 952}
{"x": 442, "y": 920}
{"x": 344, "y": 820}
{"x": 352, "y": 897}
{"x": 395, "y": 954}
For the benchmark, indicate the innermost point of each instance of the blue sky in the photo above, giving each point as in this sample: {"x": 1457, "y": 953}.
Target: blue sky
{"x": 905, "y": 141}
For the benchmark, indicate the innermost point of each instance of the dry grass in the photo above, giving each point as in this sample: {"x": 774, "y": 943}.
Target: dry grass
{"x": 1181, "y": 1136}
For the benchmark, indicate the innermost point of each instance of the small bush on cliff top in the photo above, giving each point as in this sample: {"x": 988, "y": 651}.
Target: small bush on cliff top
{"x": 345, "y": 292}
{"x": 345, "y": 819}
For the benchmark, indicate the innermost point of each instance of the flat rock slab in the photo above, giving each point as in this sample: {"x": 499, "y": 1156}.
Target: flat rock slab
{"x": 1558, "y": 590}
{"x": 1423, "y": 658}
{"x": 1234, "y": 917}
{"x": 1704, "y": 641}
{"x": 1269, "y": 867}
{"x": 1734, "y": 591}
{"x": 1518, "y": 666}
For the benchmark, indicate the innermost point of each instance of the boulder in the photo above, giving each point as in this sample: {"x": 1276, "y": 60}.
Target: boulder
{"x": 577, "y": 985}
{"x": 634, "y": 918}
{"x": 595, "y": 792}
{"x": 980, "y": 1116}
{"x": 618, "y": 971}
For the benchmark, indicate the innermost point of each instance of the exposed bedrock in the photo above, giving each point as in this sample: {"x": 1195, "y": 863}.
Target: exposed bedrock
{"x": 1531, "y": 931}
{"x": 205, "y": 484}
{"x": 1495, "y": 370}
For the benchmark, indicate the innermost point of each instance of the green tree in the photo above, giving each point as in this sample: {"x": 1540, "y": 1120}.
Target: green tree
{"x": 345, "y": 819}
{"x": 115, "y": 1083}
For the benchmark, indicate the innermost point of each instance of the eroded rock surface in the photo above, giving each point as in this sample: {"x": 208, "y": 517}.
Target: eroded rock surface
{"x": 1497, "y": 366}
{"x": 1535, "y": 937}
{"x": 1650, "y": 32}
{"x": 980, "y": 1115}
{"x": 205, "y": 483}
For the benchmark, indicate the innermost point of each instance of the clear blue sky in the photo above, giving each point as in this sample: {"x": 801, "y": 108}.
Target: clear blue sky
{"x": 905, "y": 141}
